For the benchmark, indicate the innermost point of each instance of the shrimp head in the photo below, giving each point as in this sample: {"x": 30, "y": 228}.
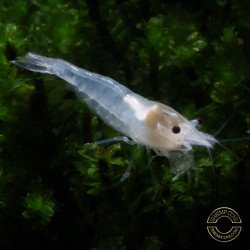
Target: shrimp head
{"x": 167, "y": 130}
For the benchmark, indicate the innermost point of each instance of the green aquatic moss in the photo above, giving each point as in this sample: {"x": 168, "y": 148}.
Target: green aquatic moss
{"x": 38, "y": 205}
{"x": 57, "y": 188}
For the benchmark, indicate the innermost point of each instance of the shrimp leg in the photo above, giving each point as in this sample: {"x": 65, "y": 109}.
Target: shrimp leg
{"x": 120, "y": 139}
{"x": 116, "y": 139}
{"x": 157, "y": 185}
{"x": 127, "y": 172}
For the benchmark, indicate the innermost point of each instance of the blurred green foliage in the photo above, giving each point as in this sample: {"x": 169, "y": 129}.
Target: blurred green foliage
{"x": 59, "y": 190}
{"x": 38, "y": 205}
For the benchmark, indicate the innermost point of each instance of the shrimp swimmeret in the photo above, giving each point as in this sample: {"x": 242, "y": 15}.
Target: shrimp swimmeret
{"x": 149, "y": 123}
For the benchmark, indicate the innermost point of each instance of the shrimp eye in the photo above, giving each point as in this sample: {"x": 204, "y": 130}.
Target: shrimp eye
{"x": 200, "y": 120}
{"x": 176, "y": 129}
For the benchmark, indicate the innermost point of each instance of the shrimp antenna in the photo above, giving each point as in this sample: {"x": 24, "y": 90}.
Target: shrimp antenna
{"x": 228, "y": 150}
{"x": 213, "y": 168}
{"x": 231, "y": 117}
{"x": 234, "y": 139}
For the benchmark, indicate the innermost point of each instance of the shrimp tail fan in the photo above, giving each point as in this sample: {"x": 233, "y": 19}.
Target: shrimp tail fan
{"x": 34, "y": 62}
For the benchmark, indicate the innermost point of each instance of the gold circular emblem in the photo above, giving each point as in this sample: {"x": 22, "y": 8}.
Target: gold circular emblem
{"x": 232, "y": 218}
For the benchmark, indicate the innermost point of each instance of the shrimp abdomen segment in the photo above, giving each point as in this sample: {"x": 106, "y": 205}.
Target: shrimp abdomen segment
{"x": 110, "y": 100}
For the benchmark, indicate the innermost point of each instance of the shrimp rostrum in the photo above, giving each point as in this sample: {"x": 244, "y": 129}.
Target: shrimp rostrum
{"x": 141, "y": 121}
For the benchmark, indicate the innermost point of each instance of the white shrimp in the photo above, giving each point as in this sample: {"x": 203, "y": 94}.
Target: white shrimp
{"x": 145, "y": 122}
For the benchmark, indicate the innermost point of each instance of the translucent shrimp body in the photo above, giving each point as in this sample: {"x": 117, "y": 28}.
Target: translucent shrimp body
{"x": 146, "y": 122}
